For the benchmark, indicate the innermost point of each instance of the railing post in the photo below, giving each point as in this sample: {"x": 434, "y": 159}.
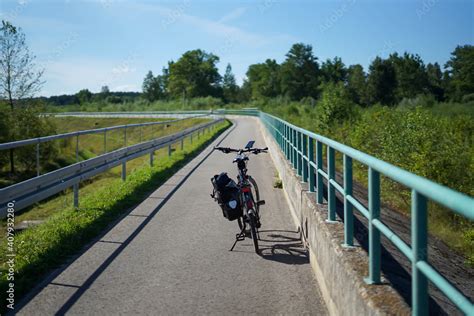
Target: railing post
{"x": 182, "y": 143}
{"x": 304, "y": 156}
{"x": 105, "y": 141}
{"x": 348, "y": 214}
{"x": 331, "y": 188}
{"x": 293, "y": 148}
{"x": 141, "y": 132}
{"x": 319, "y": 177}
{"x": 374, "y": 233}
{"x": 76, "y": 186}
{"x": 191, "y": 138}
{"x": 37, "y": 159}
{"x": 151, "y": 158}
{"x": 124, "y": 171}
{"x": 125, "y": 136}
{"x": 300, "y": 154}
{"x": 311, "y": 174}
{"x": 285, "y": 130}
{"x": 169, "y": 150}
{"x": 419, "y": 233}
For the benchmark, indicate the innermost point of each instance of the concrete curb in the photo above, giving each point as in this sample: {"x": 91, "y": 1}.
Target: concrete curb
{"x": 340, "y": 271}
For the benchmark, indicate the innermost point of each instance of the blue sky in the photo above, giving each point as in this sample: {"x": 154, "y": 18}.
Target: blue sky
{"x": 87, "y": 44}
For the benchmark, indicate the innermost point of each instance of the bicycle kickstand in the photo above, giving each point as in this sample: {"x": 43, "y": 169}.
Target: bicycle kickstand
{"x": 238, "y": 237}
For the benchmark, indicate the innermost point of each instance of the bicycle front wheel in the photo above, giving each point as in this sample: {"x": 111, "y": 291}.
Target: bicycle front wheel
{"x": 253, "y": 231}
{"x": 255, "y": 194}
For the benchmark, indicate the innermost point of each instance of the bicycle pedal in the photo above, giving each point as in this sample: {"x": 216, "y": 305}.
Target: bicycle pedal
{"x": 261, "y": 202}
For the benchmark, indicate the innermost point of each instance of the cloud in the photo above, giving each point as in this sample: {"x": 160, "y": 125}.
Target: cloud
{"x": 234, "y": 14}
{"x": 68, "y": 76}
{"x": 216, "y": 28}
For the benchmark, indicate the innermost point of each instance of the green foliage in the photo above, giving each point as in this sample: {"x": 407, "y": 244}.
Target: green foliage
{"x": 264, "y": 79}
{"x": 334, "y": 70}
{"x": 230, "y": 90}
{"x": 461, "y": 72}
{"x": 334, "y": 107}
{"x": 153, "y": 87}
{"x": 381, "y": 82}
{"x": 356, "y": 83}
{"x": 194, "y": 75}
{"x": 411, "y": 76}
{"x": 24, "y": 123}
{"x": 300, "y": 74}
{"x": 84, "y": 96}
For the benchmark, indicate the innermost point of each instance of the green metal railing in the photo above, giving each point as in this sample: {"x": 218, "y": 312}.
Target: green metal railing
{"x": 304, "y": 150}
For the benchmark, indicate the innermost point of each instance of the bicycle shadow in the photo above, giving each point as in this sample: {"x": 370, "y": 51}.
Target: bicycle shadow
{"x": 283, "y": 246}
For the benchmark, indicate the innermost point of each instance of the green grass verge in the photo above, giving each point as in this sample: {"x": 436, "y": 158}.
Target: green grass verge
{"x": 41, "y": 249}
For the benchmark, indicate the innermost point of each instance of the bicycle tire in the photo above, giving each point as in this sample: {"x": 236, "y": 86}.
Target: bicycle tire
{"x": 253, "y": 231}
{"x": 256, "y": 197}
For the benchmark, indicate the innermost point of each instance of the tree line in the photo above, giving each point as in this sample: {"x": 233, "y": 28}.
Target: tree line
{"x": 302, "y": 76}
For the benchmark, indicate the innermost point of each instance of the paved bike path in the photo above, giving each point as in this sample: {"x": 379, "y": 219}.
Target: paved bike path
{"x": 170, "y": 255}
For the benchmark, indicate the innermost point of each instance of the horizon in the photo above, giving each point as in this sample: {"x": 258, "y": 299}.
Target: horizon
{"x": 89, "y": 44}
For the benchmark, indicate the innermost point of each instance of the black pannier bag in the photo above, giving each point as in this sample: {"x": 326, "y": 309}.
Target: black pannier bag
{"x": 226, "y": 193}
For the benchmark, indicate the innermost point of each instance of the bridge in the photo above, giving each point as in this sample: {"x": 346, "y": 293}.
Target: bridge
{"x": 170, "y": 254}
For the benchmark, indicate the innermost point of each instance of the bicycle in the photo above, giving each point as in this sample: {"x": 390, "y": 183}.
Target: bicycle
{"x": 248, "y": 193}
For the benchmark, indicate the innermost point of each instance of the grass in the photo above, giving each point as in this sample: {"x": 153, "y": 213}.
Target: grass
{"x": 45, "y": 247}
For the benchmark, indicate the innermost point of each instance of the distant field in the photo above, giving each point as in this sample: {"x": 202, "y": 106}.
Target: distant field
{"x": 72, "y": 124}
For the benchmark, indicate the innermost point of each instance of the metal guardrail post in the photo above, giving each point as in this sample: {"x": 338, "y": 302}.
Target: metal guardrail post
{"x": 152, "y": 154}
{"x": 348, "y": 213}
{"x": 105, "y": 141}
{"x": 293, "y": 148}
{"x": 311, "y": 174}
{"x": 76, "y": 186}
{"x": 419, "y": 233}
{"x": 125, "y": 136}
{"x": 182, "y": 144}
{"x": 319, "y": 177}
{"x": 305, "y": 154}
{"x": 169, "y": 150}
{"x": 191, "y": 138}
{"x": 331, "y": 188}
{"x": 124, "y": 171}
{"x": 374, "y": 233}
{"x": 37, "y": 159}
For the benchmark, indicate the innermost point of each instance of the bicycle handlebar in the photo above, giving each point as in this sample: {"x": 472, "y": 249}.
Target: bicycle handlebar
{"x": 255, "y": 151}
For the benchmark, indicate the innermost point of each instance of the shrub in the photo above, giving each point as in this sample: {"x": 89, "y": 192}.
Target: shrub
{"x": 334, "y": 107}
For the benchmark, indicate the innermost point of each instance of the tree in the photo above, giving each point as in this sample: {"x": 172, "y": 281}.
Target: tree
{"x": 264, "y": 79}
{"x": 300, "y": 74}
{"x": 104, "y": 90}
{"x": 381, "y": 82}
{"x": 194, "y": 75}
{"x": 84, "y": 96}
{"x": 461, "y": 72}
{"x": 356, "y": 83}
{"x": 334, "y": 70}
{"x": 435, "y": 80}
{"x": 410, "y": 74}
{"x": 230, "y": 89}
{"x": 153, "y": 87}
{"x": 18, "y": 80}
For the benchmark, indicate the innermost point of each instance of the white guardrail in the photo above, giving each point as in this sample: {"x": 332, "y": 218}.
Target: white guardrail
{"x": 43, "y": 186}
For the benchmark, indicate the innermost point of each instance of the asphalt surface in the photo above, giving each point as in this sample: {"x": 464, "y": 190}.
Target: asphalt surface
{"x": 170, "y": 255}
